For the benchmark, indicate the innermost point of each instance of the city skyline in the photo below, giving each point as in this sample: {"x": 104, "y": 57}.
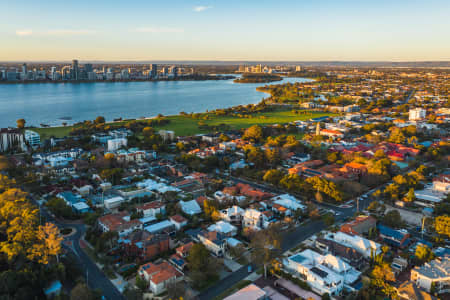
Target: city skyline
{"x": 232, "y": 31}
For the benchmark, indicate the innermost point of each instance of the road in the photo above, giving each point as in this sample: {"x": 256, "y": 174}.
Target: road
{"x": 96, "y": 279}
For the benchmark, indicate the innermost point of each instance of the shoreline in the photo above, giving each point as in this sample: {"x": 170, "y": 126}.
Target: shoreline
{"x": 71, "y": 123}
{"x": 191, "y": 78}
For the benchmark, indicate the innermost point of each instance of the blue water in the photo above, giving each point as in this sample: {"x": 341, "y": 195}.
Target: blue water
{"x": 53, "y": 104}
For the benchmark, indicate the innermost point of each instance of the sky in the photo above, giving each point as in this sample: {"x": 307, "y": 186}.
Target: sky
{"x": 225, "y": 30}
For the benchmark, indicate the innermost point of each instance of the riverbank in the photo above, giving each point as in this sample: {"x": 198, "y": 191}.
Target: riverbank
{"x": 185, "y": 125}
{"x": 258, "y": 78}
{"x": 181, "y": 78}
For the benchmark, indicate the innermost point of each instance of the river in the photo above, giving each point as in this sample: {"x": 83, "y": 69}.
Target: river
{"x": 55, "y": 103}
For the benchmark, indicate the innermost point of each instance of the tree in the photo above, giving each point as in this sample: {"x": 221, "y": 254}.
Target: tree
{"x": 253, "y": 133}
{"x": 203, "y": 267}
{"x": 410, "y": 196}
{"x": 379, "y": 154}
{"x": 255, "y": 156}
{"x": 148, "y": 131}
{"x": 273, "y": 176}
{"x": 376, "y": 207}
{"x": 21, "y": 123}
{"x": 381, "y": 275}
{"x": 397, "y": 136}
{"x": 81, "y": 292}
{"x": 4, "y": 163}
{"x": 423, "y": 253}
{"x": 393, "y": 219}
{"x": 273, "y": 156}
{"x": 325, "y": 186}
{"x": 18, "y": 224}
{"x": 442, "y": 225}
{"x": 266, "y": 244}
{"x": 180, "y": 146}
{"x": 49, "y": 243}
{"x": 109, "y": 156}
{"x": 99, "y": 120}
{"x": 328, "y": 219}
{"x": 141, "y": 284}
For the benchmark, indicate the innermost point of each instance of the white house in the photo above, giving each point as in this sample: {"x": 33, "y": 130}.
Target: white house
{"x": 289, "y": 202}
{"x": 214, "y": 241}
{"x": 151, "y": 209}
{"x": 33, "y": 138}
{"x": 362, "y": 245}
{"x": 442, "y": 184}
{"x": 159, "y": 276}
{"x": 178, "y": 221}
{"x": 417, "y": 114}
{"x": 232, "y": 214}
{"x": 114, "y": 202}
{"x": 224, "y": 228}
{"x": 116, "y": 144}
{"x": 434, "y": 273}
{"x": 308, "y": 266}
{"x": 254, "y": 219}
{"x": 120, "y": 223}
{"x": 190, "y": 207}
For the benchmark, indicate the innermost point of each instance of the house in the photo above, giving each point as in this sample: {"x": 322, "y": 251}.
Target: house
{"x": 254, "y": 219}
{"x": 331, "y": 133}
{"x": 183, "y": 251}
{"x": 214, "y": 241}
{"x": 113, "y": 202}
{"x": 396, "y": 238}
{"x": 359, "y": 226}
{"x": 163, "y": 226}
{"x": 32, "y": 138}
{"x": 398, "y": 265}
{"x": 354, "y": 168}
{"x": 119, "y": 222}
{"x": 190, "y": 207}
{"x": 224, "y": 228}
{"x": 248, "y": 191}
{"x": 159, "y": 276}
{"x": 409, "y": 291}
{"x": 434, "y": 275}
{"x": 348, "y": 254}
{"x": 130, "y": 155}
{"x": 151, "y": 209}
{"x": 442, "y": 183}
{"x": 116, "y": 144}
{"x": 289, "y": 202}
{"x": 178, "y": 221}
{"x": 144, "y": 245}
{"x": 77, "y": 203}
{"x": 364, "y": 246}
{"x": 250, "y": 292}
{"x": 11, "y": 140}
{"x": 232, "y": 214}
{"x": 178, "y": 261}
{"x": 167, "y": 135}
{"x": 319, "y": 277}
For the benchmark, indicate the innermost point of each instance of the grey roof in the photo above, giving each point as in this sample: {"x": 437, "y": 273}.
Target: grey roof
{"x": 435, "y": 269}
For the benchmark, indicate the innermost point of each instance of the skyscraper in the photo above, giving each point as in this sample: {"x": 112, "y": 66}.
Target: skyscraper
{"x": 154, "y": 71}
{"x": 88, "y": 68}
{"x": 75, "y": 70}
{"x": 24, "y": 69}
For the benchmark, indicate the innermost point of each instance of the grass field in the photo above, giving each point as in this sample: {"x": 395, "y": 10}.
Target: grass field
{"x": 187, "y": 126}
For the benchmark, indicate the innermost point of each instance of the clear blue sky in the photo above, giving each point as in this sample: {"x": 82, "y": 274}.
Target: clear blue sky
{"x": 397, "y": 30}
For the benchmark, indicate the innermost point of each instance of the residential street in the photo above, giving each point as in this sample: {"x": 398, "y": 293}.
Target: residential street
{"x": 96, "y": 279}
